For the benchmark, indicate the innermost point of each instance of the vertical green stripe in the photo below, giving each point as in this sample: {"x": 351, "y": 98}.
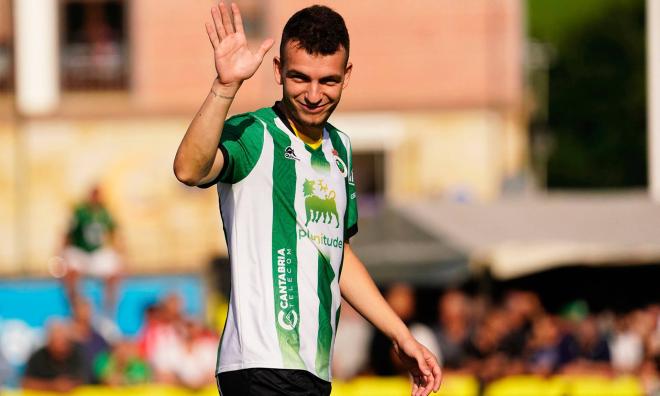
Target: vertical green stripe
{"x": 319, "y": 162}
{"x": 324, "y": 340}
{"x": 285, "y": 261}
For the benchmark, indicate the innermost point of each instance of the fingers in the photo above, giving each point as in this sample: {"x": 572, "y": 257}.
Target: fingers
{"x": 226, "y": 19}
{"x": 422, "y": 365}
{"x": 265, "y": 46}
{"x": 415, "y": 388}
{"x": 217, "y": 22}
{"x": 437, "y": 376}
{"x": 238, "y": 20}
{"x": 213, "y": 35}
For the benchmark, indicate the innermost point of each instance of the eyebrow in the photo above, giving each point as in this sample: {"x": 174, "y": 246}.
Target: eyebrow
{"x": 297, "y": 74}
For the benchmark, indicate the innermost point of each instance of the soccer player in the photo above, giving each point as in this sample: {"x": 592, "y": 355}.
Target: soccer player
{"x": 91, "y": 246}
{"x": 288, "y": 204}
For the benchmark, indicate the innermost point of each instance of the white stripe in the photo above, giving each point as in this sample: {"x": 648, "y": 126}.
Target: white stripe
{"x": 250, "y": 337}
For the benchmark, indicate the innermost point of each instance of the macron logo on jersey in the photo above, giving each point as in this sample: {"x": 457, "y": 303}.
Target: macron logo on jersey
{"x": 290, "y": 154}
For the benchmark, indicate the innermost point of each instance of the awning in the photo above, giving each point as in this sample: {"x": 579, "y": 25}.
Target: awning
{"x": 516, "y": 237}
{"x": 394, "y": 249}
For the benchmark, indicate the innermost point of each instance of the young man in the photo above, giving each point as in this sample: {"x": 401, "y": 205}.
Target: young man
{"x": 288, "y": 204}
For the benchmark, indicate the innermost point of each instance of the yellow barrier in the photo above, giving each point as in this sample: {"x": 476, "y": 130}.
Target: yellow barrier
{"x": 565, "y": 386}
{"x": 453, "y": 385}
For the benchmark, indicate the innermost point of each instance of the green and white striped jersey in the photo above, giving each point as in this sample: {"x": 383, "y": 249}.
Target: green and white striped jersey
{"x": 287, "y": 210}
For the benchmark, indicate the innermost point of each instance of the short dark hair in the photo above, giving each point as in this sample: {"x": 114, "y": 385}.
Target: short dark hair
{"x": 317, "y": 29}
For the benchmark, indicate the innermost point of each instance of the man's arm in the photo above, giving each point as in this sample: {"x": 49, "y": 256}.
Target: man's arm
{"x": 358, "y": 289}
{"x": 198, "y": 159}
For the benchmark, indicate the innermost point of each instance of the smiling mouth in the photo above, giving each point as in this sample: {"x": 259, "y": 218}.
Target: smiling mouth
{"x": 313, "y": 109}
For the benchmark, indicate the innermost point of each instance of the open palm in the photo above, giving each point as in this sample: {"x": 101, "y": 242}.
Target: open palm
{"x": 234, "y": 62}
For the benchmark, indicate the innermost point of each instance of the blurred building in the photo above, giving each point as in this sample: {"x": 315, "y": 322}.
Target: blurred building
{"x": 103, "y": 90}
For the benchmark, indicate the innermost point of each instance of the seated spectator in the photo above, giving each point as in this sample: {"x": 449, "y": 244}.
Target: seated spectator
{"x": 351, "y": 344}
{"x": 543, "y": 346}
{"x": 382, "y": 356}
{"x": 161, "y": 329}
{"x": 189, "y": 362}
{"x": 91, "y": 343}
{"x": 58, "y": 366}
{"x": 521, "y": 308}
{"x": 586, "y": 349}
{"x": 121, "y": 367}
{"x": 454, "y": 328}
{"x": 627, "y": 345}
{"x": 484, "y": 352}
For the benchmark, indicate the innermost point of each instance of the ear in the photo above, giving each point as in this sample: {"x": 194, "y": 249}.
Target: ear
{"x": 277, "y": 70}
{"x": 347, "y": 74}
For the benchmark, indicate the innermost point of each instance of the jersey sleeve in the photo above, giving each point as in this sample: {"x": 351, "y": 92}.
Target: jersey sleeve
{"x": 240, "y": 143}
{"x": 351, "y": 214}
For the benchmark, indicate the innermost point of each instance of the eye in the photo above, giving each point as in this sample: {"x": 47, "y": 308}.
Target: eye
{"x": 330, "y": 81}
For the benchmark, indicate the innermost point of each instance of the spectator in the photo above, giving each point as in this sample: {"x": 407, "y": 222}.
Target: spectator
{"x": 520, "y": 308}
{"x": 483, "y": 349}
{"x": 122, "y": 367}
{"x": 351, "y": 351}
{"x": 58, "y": 366}
{"x": 383, "y": 359}
{"x": 191, "y": 361}
{"x": 627, "y": 345}
{"x": 91, "y": 343}
{"x": 543, "y": 346}
{"x": 91, "y": 247}
{"x": 161, "y": 330}
{"x": 454, "y": 328}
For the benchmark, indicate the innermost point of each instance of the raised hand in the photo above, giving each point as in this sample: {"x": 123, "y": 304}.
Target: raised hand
{"x": 421, "y": 364}
{"x": 234, "y": 62}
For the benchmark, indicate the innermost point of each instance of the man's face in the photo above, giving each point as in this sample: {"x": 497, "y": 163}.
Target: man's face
{"x": 311, "y": 84}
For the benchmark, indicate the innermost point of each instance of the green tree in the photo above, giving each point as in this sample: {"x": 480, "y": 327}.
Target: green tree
{"x": 597, "y": 101}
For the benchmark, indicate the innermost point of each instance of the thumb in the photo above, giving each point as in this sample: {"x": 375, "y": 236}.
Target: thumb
{"x": 265, "y": 46}
{"x": 421, "y": 363}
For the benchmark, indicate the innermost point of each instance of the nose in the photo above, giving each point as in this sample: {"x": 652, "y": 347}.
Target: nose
{"x": 314, "y": 95}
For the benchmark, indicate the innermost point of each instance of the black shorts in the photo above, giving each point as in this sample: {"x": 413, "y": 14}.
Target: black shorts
{"x": 271, "y": 382}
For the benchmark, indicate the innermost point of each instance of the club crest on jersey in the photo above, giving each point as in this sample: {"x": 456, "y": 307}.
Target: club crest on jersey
{"x": 343, "y": 169}
{"x": 290, "y": 154}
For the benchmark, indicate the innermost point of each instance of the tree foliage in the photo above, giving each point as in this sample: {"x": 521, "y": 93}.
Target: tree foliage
{"x": 597, "y": 101}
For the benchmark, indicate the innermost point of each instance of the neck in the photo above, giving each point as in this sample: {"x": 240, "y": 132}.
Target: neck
{"x": 308, "y": 134}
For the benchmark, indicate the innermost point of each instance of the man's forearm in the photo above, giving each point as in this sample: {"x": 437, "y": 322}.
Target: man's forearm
{"x": 196, "y": 156}
{"x": 358, "y": 289}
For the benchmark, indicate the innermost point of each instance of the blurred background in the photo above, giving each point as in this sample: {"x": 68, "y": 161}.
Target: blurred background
{"x": 507, "y": 159}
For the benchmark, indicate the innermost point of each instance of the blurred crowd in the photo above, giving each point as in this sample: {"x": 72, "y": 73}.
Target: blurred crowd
{"x": 170, "y": 349}
{"x": 516, "y": 335}
{"x": 471, "y": 334}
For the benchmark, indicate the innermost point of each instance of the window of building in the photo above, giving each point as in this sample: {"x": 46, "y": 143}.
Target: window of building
{"x": 94, "y": 44}
{"x": 369, "y": 173}
{"x": 252, "y": 12}
{"x": 6, "y": 58}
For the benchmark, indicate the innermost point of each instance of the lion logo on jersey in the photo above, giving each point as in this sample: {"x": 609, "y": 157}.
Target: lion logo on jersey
{"x": 320, "y": 203}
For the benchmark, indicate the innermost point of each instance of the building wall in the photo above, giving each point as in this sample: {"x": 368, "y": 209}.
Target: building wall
{"x": 426, "y": 54}
{"x": 437, "y": 87}
{"x": 164, "y": 224}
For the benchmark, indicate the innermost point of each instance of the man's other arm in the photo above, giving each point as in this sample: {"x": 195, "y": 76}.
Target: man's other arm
{"x": 358, "y": 289}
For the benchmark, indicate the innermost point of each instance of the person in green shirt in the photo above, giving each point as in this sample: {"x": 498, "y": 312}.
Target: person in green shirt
{"x": 91, "y": 248}
{"x": 121, "y": 367}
